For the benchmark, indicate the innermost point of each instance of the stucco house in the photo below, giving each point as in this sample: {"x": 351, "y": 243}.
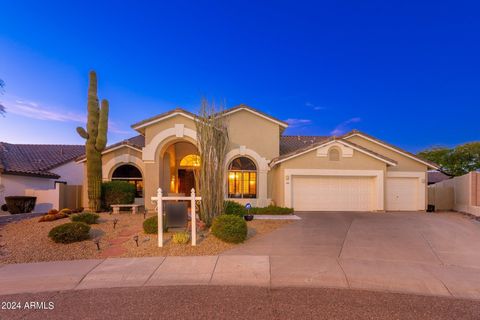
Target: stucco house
{"x": 26, "y": 167}
{"x": 354, "y": 172}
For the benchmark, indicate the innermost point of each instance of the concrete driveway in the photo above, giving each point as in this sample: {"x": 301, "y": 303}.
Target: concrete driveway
{"x": 408, "y": 252}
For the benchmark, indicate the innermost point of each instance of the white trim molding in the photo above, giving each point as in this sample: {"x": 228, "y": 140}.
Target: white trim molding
{"x": 378, "y": 175}
{"x": 177, "y": 131}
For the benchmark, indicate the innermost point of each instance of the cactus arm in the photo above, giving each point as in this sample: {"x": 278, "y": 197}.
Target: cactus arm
{"x": 101, "y": 141}
{"x": 82, "y": 133}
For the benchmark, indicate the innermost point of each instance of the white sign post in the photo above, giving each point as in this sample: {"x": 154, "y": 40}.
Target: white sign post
{"x": 160, "y": 198}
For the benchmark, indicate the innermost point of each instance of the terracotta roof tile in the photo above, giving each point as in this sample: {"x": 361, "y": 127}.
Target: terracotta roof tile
{"x": 36, "y": 159}
{"x": 289, "y": 144}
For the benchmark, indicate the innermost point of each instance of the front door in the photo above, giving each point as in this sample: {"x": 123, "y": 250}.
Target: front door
{"x": 186, "y": 181}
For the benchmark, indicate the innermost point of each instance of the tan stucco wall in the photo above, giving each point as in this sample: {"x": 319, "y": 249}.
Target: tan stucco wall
{"x": 152, "y": 130}
{"x": 462, "y": 188}
{"x": 404, "y": 163}
{"x": 254, "y": 132}
{"x": 310, "y": 160}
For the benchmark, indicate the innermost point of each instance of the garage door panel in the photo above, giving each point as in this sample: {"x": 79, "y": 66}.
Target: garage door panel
{"x": 333, "y": 193}
{"x": 402, "y": 194}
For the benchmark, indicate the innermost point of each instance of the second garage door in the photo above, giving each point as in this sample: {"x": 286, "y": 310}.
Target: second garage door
{"x": 333, "y": 193}
{"x": 402, "y": 194}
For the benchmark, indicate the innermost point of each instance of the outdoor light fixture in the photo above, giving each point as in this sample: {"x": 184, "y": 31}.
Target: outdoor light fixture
{"x": 115, "y": 221}
{"x": 135, "y": 238}
{"x": 97, "y": 242}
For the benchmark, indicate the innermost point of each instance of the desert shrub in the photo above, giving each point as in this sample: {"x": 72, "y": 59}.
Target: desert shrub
{"x": 117, "y": 192}
{"x": 4, "y": 207}
{"x": 66, "y": 211}
{"x": 181, "y": 237}
{"x": 86, "y": 217}
{"x": 232, "y": 207}
{"x": 230, "y": 228}
{"x": 272, "y": 210}
{"x": 150, "y": 225}
{"x": 20, "y": 204}
{"x": 70, "y": 232}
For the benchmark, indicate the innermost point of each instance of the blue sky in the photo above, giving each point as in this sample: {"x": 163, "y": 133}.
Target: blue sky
{"x": 407, "y": 72}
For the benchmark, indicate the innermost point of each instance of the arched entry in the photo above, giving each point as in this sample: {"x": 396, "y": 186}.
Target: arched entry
{"x": 131, "y": 174}
{"x": 179, "y": 161}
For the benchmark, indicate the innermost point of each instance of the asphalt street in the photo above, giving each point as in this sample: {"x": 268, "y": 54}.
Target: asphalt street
{"x": 212, "y": 302}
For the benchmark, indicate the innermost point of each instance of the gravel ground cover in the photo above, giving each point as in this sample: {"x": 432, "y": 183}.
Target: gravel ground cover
{"x": 27, "y": 240}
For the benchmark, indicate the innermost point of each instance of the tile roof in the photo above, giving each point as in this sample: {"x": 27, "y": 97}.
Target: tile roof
{"x": 289, "y": 144}
{"x": 435, "y": 176}
{"x": 36, "y": 159}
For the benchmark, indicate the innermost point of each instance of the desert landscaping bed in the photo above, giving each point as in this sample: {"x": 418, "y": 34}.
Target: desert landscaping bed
{"x": 27, "y": 240}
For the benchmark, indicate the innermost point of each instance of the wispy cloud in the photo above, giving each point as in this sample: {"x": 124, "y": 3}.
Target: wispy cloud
{"x": 314, "y": 107}
{"x": 34, "y": 110}
{"x": 344, "y": 126}
{"x": 294, "y": 123}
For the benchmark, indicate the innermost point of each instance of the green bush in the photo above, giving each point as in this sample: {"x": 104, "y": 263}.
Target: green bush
{"x": 272, "y": 210}
{"x": 230, "y": 228}
{"x": 86, "y": 217}
{"x": 117, "y": 192}
{"x": 150, "y": 225}
{"x": 232, "y": 207}
{"x": 70, "y": 232}
{"x": 181, "y": 237}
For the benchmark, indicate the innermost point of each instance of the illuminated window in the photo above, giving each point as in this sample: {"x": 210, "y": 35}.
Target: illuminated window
{"x": 333, "y": 154}
{"x": 130, "y": 174}
{"x": 192, "y": 160}
{"x": 242, "y": 178}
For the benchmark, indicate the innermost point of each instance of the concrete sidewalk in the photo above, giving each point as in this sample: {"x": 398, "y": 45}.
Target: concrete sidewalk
{"x": 242, "y": 270}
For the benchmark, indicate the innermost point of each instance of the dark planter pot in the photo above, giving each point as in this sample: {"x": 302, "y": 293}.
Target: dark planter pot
{"x": 248, "y": 217}
{"x": 20, "y": 204}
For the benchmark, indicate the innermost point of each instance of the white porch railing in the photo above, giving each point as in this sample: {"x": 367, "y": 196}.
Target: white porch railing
{"x": 160, "y": 198}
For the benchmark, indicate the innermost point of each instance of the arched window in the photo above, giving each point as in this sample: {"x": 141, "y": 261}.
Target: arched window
{"x": 333, "y": 154}
{"x": 242, "y": 178}
{"x": 192, "y": 160}
{"x": 130, "y": 174}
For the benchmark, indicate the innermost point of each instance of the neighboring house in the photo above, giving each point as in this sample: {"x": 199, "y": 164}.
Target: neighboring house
{"x": 435, "y": 176}
{"x": 38, "y": 167}
{"x": 355, "y": 172}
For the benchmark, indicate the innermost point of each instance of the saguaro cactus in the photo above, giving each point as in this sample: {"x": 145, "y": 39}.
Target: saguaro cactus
{"x": 96, "y": 140}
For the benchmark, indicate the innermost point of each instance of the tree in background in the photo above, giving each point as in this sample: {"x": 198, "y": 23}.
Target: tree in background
{"x": 213, "y": 143}
{"x": 96, "y": 141}
{"x": 2, "y": 86}
{"x": 455, "y": 161}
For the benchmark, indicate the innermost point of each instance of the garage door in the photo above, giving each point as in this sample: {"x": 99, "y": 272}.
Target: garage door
{"x": 333, "y": 193}
{"x": 402, "y": 194}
